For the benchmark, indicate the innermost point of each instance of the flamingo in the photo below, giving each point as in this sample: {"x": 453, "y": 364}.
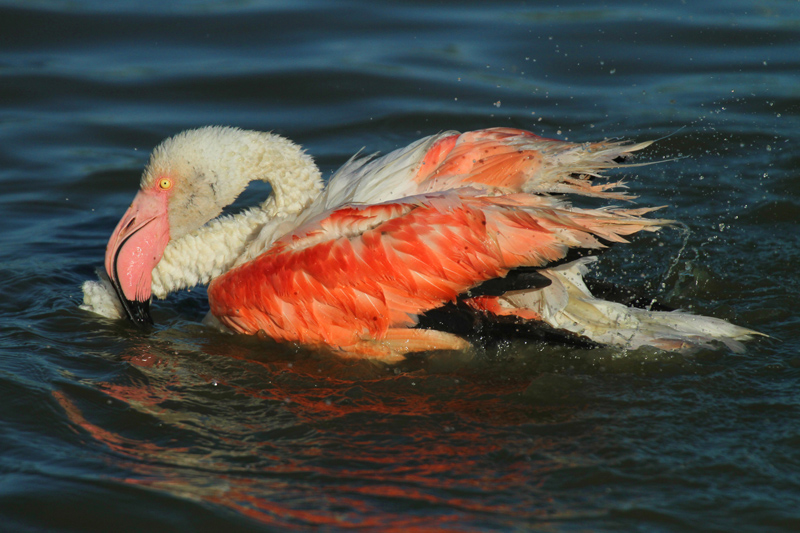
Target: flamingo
{"x": 478, "y": 222}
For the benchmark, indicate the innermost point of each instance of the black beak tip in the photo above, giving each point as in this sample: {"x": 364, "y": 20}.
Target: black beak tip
{"x": 139, "y": 313}
{"x": 136, "y": 311}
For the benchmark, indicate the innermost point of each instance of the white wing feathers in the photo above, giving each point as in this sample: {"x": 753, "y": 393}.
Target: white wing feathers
{"x": 568, "y": 304}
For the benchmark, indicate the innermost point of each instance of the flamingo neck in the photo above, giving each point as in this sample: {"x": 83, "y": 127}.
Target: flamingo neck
{"x": 215, "y": 248}
{"x": 222, "y": 162}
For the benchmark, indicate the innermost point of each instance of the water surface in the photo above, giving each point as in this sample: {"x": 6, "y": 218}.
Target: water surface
{"x": 105, "y": 428}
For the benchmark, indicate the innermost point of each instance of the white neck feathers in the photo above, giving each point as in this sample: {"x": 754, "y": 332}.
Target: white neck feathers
{"x": 212, "y": 166}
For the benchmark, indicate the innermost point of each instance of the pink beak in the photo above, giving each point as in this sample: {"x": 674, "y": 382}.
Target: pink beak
{"x": 134, "y": 250}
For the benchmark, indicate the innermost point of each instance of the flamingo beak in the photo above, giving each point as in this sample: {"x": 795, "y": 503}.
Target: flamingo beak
{"x": 134, "y": 250}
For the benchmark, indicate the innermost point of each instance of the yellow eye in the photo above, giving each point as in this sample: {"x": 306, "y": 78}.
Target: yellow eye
{"x": 164, "y": 184}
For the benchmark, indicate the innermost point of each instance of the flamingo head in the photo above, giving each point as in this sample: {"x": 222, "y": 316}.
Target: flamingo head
{"x": 189, "y": 180}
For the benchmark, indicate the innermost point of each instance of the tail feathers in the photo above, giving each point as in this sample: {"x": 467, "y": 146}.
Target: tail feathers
{"x": 567, "y": 304}
{"x": 99, "y": 297}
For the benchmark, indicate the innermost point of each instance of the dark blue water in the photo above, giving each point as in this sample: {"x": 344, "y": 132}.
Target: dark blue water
{"x": 103, "y": 428}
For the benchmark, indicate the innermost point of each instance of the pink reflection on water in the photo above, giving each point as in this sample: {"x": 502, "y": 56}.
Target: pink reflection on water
{"x": 351, "y": 453}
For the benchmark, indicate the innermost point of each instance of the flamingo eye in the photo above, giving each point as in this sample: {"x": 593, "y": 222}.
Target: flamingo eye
{"x": 165, "y": 184}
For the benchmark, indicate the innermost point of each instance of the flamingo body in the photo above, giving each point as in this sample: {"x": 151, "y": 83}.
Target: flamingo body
{"x": 354, "y": 264}
{"x": 381, "y": 266}
{"x": 357, "y": 271}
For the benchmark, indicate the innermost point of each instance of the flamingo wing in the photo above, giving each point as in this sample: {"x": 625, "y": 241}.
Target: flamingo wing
{"x": 496, "y": 161}
{"x": 361, "y": 273}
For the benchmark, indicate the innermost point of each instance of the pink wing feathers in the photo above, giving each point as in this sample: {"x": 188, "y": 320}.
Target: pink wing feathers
{"x": 361, "y": 273}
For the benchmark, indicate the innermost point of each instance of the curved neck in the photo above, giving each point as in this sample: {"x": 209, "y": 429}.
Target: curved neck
{"x": 219, "y": 164}
{"x": 215, "y": 248}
